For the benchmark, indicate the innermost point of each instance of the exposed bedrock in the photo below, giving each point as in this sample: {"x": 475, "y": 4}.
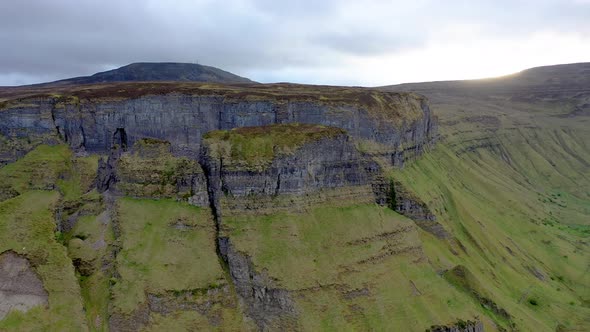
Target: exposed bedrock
{"x": 95, "y": 124}
{"x": 307, "y": 165}
{"x": 329, "y": 168}
{"x": 270, "y": 307}
{"x": 20, "y": 287}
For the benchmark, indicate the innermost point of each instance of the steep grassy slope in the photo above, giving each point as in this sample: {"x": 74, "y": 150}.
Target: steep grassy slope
{"x": 357, "y": 267}
{"x": 510, "y": 180}
{"x": 525, "y": 241}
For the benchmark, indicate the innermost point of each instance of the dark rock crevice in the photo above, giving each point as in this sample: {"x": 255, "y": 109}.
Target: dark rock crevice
{"x": 106, "y": 174}
{"x": 119, "y": 138}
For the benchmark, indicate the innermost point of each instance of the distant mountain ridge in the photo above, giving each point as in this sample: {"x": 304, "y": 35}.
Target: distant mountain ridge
{"x": 561, "y": 77}
{"x": 158, "y": 71}
{"x": 568, "y": 84}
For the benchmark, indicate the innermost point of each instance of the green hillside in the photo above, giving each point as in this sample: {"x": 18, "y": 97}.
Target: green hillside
{"x": 509, "y": 181}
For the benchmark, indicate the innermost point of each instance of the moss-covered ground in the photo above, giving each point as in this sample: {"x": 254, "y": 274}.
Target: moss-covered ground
{"x": 256, "y": 147}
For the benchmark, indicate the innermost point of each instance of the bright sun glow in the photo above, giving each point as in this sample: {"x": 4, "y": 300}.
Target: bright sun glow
{"x": 464, "y": 55}
{"x": 474, "y": 59}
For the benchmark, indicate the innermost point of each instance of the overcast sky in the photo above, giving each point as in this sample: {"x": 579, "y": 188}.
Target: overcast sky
{"x": 356, "y": 42}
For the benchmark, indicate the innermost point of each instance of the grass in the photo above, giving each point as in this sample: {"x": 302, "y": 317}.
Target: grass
{"x": 152, "y": 171}
{"x": 359, "y": 267}
{"x": 40, "y": 169}
{"x": 27, "y": 226}
{"x": 515, "y": 204}
{"x": 90, "y": 243}
{"x": 80, "y": 178}
{"x": 165, "y": 246}
{"x": 256, "y": 147}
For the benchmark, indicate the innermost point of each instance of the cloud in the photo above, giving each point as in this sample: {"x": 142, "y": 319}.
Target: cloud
{"x": 332, "y": 41}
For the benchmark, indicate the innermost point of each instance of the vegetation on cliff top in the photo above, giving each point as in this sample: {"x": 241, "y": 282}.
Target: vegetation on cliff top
{"x": 256, "y": 147}
{"x": 391, "y": 107}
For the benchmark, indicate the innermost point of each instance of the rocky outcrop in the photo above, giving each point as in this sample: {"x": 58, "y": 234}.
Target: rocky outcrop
{"x": 95, "y": 120}
{"x": 148, "y": 169}
{"x": 307, "y": 165}
{"x": 330, "y": 165}
{"x": 394, "y": 195}
{"x": 130, "y": 323}
{"x": 20, "y": 287}
{"x": 460, "y": 326}
{"x": 270, "y": 307}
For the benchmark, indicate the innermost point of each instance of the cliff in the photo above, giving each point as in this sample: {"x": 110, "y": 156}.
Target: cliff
{"x": 283, "y": 167}
{"x": 233, "y": 152}
{"x": 93, "y": 118}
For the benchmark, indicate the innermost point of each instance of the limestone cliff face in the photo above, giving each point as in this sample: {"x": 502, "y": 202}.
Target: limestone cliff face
{"x": 402, "y": 125}
{"x": 330, "y": 168}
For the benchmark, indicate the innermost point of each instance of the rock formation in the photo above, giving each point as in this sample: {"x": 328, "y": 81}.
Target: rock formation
{"x": 239, "y": 150}
{"x": 20, "y": 287}
{"x": 398, "y": 126}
